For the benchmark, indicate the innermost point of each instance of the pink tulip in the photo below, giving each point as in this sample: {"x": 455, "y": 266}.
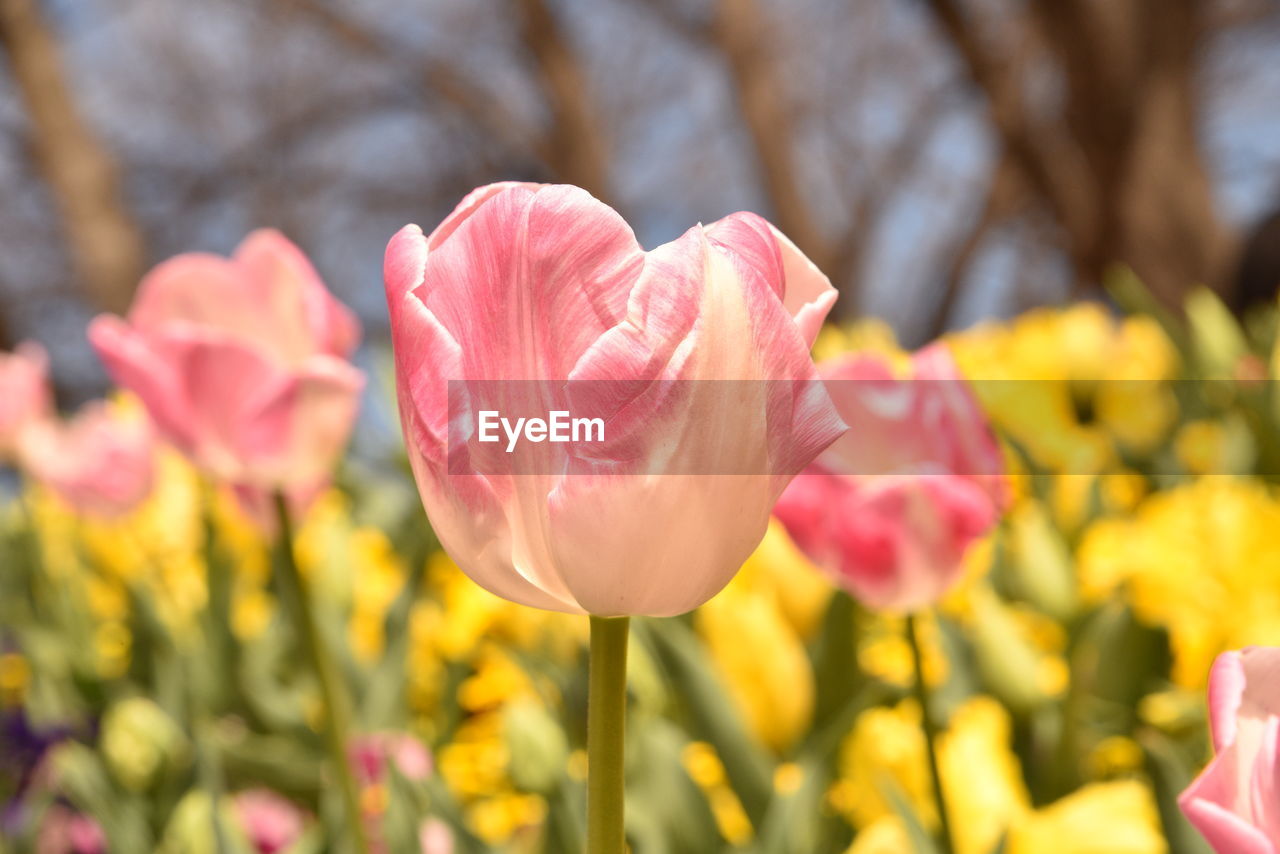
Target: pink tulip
{"x": 271, "y": 822}
{"x": 101, "y": 463}
{"x": 24, "y": 394}
{"x": 546, "y": 285}
{"x": 435, "y": 837}
{"x": 1235, "y": 803}
{"x": 891, "y": 507}
{"x": 369, "y": 755}
{"x": 242, "y": 363}
{"x": 65, "y": 831}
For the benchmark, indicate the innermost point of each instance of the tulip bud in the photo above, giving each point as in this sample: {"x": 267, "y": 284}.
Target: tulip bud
{"x": 537, "y": 746}
{"x": 191, "y": 828}
{"x": 139, "y": 740}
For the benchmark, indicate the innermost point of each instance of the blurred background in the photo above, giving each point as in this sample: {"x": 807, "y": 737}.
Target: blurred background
{"x": 942, "y": 160}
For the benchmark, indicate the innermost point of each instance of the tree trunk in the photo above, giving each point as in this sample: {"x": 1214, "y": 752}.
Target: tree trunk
{"x": 106, "y": 246}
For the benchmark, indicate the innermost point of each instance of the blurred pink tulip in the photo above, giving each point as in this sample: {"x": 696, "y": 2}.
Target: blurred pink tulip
{"x": 242, "y": 363}
{"x": 1235, "y": 803}
{"x": 64, "y": 831}
{"x": 24, "y": 394}
{"x": 891, "y": 507}
{"x": 101, "y": 462}
{"x": 435, "y": 837}
{"x": 371, "y": 753}
{"x": 543, "y": 283}
{"x": 271, "y": 822}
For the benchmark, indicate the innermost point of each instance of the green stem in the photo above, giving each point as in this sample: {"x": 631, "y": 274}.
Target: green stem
{"x": 946, "y": 840}
{"x": 337, "y": 716}
{"x": 606, "y": 725}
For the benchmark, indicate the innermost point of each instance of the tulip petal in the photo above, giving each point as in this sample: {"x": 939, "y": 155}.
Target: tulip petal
{"x": 728, "y": 446}
{"x": 289, "y": 287}
{"x": 237, "y": 383}
{"x": 469, "y": 205}
{"x": 1226, "y": 692}
{"x": 402, "y": 268}
{"x": 134, "y": 363}
{"x": 530, "y": 280}
{"x": 1264, "y": 783}
{"x": 304, "y": 426}
{"x": 1209, "y": 804}
{"x": 658, "y": 545}
{"x": 806, "y": 293}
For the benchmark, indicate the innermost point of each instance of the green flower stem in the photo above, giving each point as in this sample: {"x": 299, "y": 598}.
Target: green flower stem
{"x": 606, "y": 725}
{"x": 946, "y": 841}
{"x": 337, "y": 715}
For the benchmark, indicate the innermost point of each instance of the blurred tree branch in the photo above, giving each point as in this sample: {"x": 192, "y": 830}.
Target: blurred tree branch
{"x": 575, "y": 147}
{"x": 742, "y": 35}
{"x": 106, "y": 245}
{"x": 1118, "y": 164}
{"x": 571, "y": 149}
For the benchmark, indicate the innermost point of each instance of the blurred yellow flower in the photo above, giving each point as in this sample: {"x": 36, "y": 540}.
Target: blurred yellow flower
{"x": 987, "y": 799}
{"x": 981, "y": 775}
{"x": 762, "y": 659}
{"x": 871, "y": 335}
{"x": 1069, "y": 385}
{"x": 1201, "y": 560}
{"x": 15, "y": 673}
{"x": 705, "y": 769}
{"x": 1102, "y": 818}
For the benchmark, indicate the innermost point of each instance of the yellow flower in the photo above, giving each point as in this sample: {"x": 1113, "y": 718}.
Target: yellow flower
{"x": 705, "y": 769}
{"x": 762, "y": 660}
{"x": 986, "y": 795}
{"x": 1102, "y": 818}
{"x": 1214, "y": 447}
{"x": 15, "y": 673}
{"x": 779, "y": 570}
{"x": 883, "y": 651}
{"x": 867, "y": 335}
{"x": 980, "y": 773}
{"x": 1068, "y": 384}
{"x": 1201, "y": 561}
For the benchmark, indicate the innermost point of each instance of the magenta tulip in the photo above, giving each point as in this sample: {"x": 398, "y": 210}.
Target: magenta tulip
{"x": 370, "y": 755}
{"x": 542, "y": 287}
{"x": 242, "y": 363}
{"x": 24, "y": 394}
{"x": 101, "y": 462}
{"x": 891, "y": 507}
{"x": 1235, "y": 803}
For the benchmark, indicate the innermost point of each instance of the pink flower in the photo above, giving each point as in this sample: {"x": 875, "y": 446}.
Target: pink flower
{"x": 371, "y": 753}
{"x": 435, "y": 837}
{"x": 1235, "y": 803}
{"x": 271, "y": 822}
{"x": 242, "y": 363}
{"x": 24, "y": 394}
{"x": 543, "y": 292}
{"x": 891, "y": 507}
{"x": 65, "y": 831}
{"x": 101, "y": 462}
